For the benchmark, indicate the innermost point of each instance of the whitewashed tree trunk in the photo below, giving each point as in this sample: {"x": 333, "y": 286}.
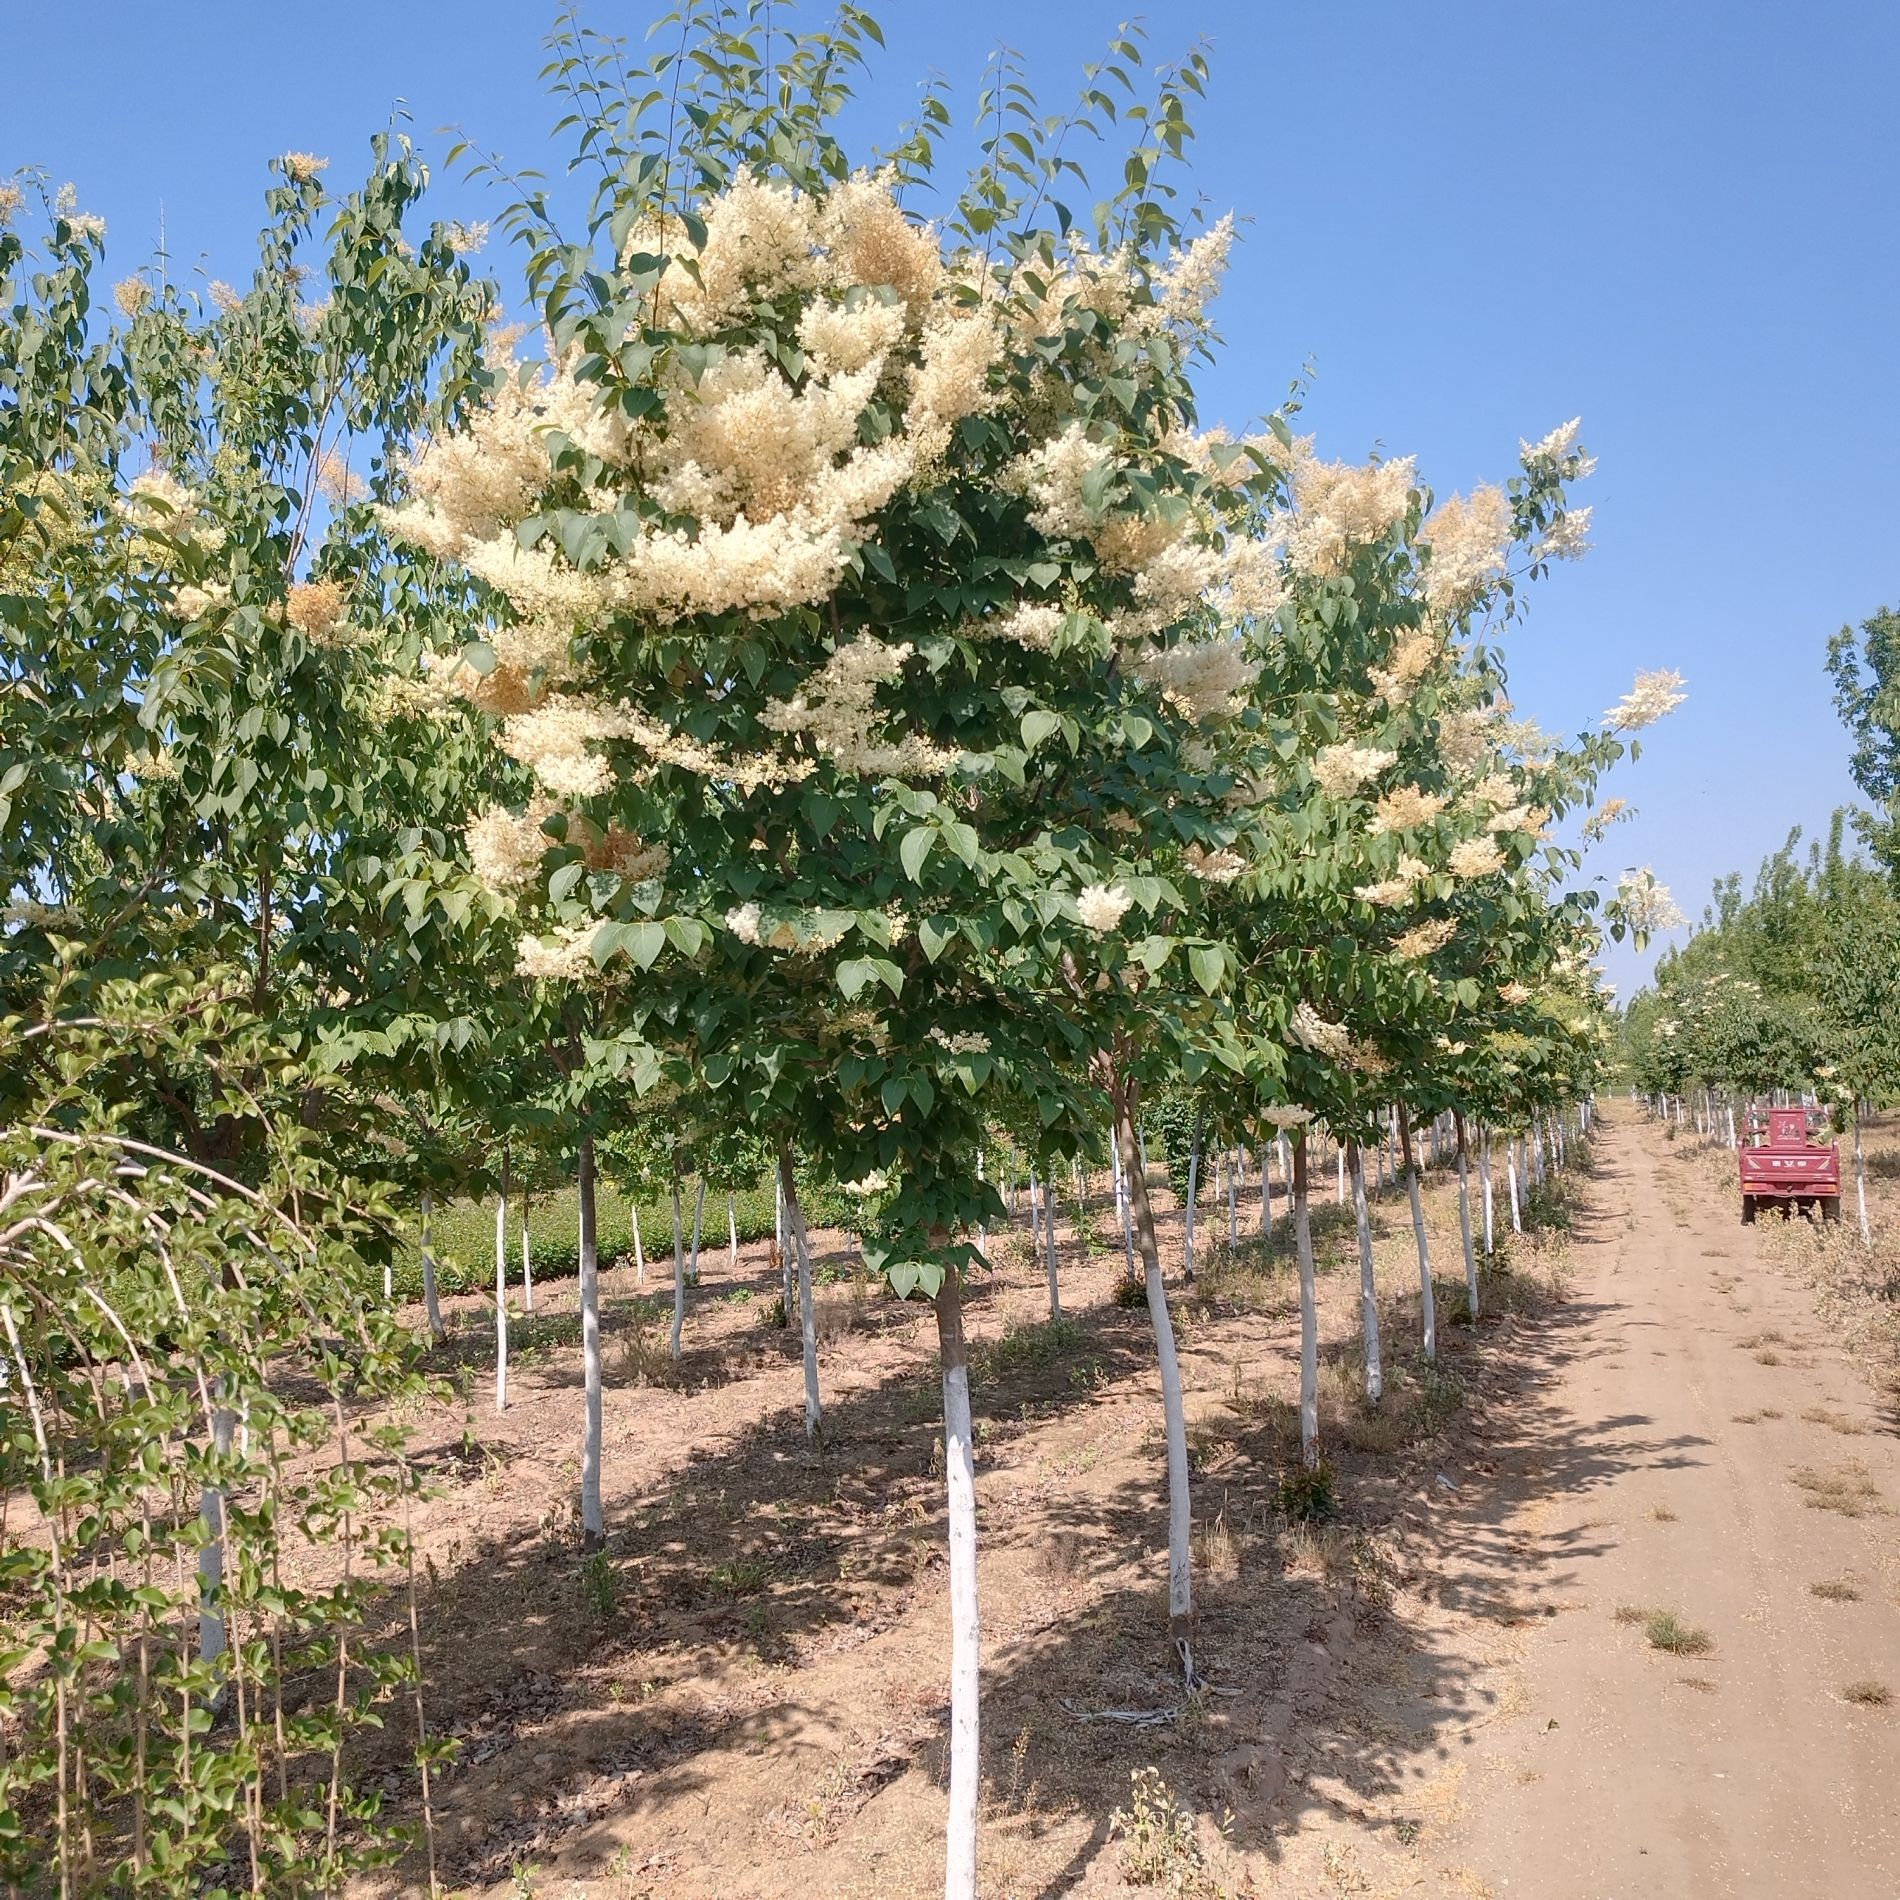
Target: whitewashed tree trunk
{"x": 1193, "y": 1198}
{"x": 501, "y": 1291}
{"x": 1733, "y": 1142}
{"x": 1510, "y": 1178}
{"x": 982, "y": 1226}
{"x": 1860, "y": 1181}
{"x": 966, "y": 1630}
{"x": 1180, "y": 1499}
{"x": 527, "y": 1262}
{"x": 1049, "y": 1250}
{"x": 639, "y": 1245}
{"x": 213, "y": 1638}
{"x": 1118, "y": 1175}
{"x": 679, "y": 1267}
{"x": 431, "y": 1305}
{"x": 1484, "y": 1170}
{"x": 786, "y": 1270}
{"x": 1368, "y": 1288}
{"x": 1427, "y": 1303}
{"x": 593, "y": 1524}
{"x": 699, "y": 1226}
{"x": 1309, "y": 1310}
{"x": 1464, "y": 1215}
{"x": 1233, "y": 1197}
{"x": 732, "y": 1234}
{"x": 1339, "y": 1174}
{"x": 1035, "y": 1215}
{"x": 807, "y": 1313}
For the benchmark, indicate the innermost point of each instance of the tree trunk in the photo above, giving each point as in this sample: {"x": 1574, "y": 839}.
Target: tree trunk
{"x": 1193, "y": 1196}
{"x": 1428, "y": 1305}
{"x": 1180, "y": 1501}
{"x": 1049, "y": 1250}
{"x": 593, "y": 1524}
{"x": 784, "y": 1254}
{"x": 1339, "y": 1173}
{"x": 732, "y": 1235}
{"x": 1510, "y": 1180}
{"x": 966, "y": 1635}
{"x": 1368, "y": 1289}
{"x": 699, "y": 1227}
{"x": 1233, "y": 1197}
{"x": 1309, "y": 1309}
{"x": 501, "y": 1290}
{"x": 807, "y": 1313}
{"x": 639, "y": 1246}
{"x": 430, "y": 1304}
{"x": 982, "y": 1226}
{"x": 1860, "y": 1182}
{"x": 1119, "y": 1176}
{"x": 527, "y": 1264}
{"x": 1484, "y": 1170}
{"x": 213, "y": 1636}
{"x": 679, "y": 1268}
{"x": 1464, "y": 1215}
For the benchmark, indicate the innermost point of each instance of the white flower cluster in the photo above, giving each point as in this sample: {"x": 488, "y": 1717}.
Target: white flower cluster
{"x": 837, "y": 710}
{"x": 1423, "y": 939}
{"x": 1213, "y": 867}
{"x": 1468, "y": 539}
{"x": 505, "y": 849}
{"x": 1405, "y": 808}
{"x": 566, "y": 957}
{"x": 1311, "y": 1031}
{"x": 1203, "y": 679}
{"x": 775, "y": 927}
{"x": 1475, "y": 857}
{"x": 1101, "y": 907}
{"x": 1559, "y": 453}
{"x": 964, "y": 1042}
{"x": 1340, "y": 770}
{"x": 1647, "y": 905}
{"x": 1398, "y": 889}
{"x": 1286, "y": 1117}
{"x": 1340, "y": 506}
{"x": 1653, "y": 696}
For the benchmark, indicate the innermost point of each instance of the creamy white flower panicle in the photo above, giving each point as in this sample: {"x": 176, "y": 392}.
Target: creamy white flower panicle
{"x": 1286, "y": 1117}
{"x": 1475, "y": 857}
{"x": 1311, "y": 1031}
{"x": 1423, "y": 939}
{"x": 1559, "y": 453}
{"x": 1203, "y": 679}
{"x": 1340, "y": 770}
{"x": 1340, "y": 506}
{"x": 1050, "y": 477}
{"x": 553, "y": 741}
{"x": 1529, "y": 819}
{"x": 1567, "y": 538}
{"x": 965, "y": 1042}
{"x": 1468, "y": 539}
{"x": 1101, "y": 907}
{"x": 1032, "y": 624}
{"x": 1514, "y": 993}
{"x": 565, "y": 957}
{"x": 1605, "y": 815}
{"x": 1398, "y": 889}
{"x": 837, "y": 710}
{"x": 1646, "y": 904}
{"x": 505, "y": 849}
{"x": 1653, "y": 696}
{"x": 1405, "y": 808}
{"x": 1222, "y": 866}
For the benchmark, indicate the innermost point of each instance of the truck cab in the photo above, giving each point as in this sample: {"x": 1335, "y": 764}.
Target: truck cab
{"x": 1787, "y": 1162}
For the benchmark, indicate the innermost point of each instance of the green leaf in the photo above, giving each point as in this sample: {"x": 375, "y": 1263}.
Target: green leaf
{"x": 914, "y": 849}
{"x": 853, "y": 973}
{"x": 1037, "y": 726}
{"x": 1209, "y": 964}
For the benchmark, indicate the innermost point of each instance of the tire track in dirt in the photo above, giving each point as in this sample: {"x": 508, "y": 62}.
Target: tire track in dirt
{"x": 1736, "y": 1460}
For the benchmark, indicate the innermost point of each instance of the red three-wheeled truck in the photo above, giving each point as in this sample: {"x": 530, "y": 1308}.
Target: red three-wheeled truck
{"x": 1787, "y": 1161}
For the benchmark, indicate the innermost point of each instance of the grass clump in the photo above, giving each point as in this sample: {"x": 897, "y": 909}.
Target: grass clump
{"x": 1868, "y": 1693}
{"x": 1834, "y": 1590}
{"x": 1033, "y": 1347}
{"x": 1667, "y": 1631}
{"x": 1848, "y": 1491}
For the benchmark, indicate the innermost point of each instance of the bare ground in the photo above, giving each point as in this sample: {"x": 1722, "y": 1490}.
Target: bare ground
{"x": 1431, "y": 1694}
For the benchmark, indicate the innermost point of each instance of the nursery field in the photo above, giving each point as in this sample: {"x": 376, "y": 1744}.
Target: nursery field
{"x": 1639, "y": 1514}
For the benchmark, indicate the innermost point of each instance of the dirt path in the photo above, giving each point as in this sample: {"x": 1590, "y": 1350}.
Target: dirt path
{"x": 1703, "y": 1449}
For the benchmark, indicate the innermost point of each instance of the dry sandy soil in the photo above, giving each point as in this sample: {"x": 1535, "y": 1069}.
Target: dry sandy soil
{"x": 1447, "y": 1689}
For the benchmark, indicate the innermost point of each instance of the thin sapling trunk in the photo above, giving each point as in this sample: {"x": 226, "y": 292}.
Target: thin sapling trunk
{"x": 593, "y": 1524}
{"x": 1180, "y": 1500}
{"x": 1464, "y": 1217}
{"x": 1309, "y": 1309}
{"x": 966, "y": 1633}
{"x": 431, "y": 1306}
{"x": 679, "y": 1268}
{"x": 1428, "y": 1305}
{"x": 807, "y": 1313}
{"x": 501, "y": 1290}
{"x": 1368, "y": 1288}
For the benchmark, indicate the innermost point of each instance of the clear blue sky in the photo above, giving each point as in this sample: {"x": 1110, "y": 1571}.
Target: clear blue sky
{"x": 1681, "y": 220}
